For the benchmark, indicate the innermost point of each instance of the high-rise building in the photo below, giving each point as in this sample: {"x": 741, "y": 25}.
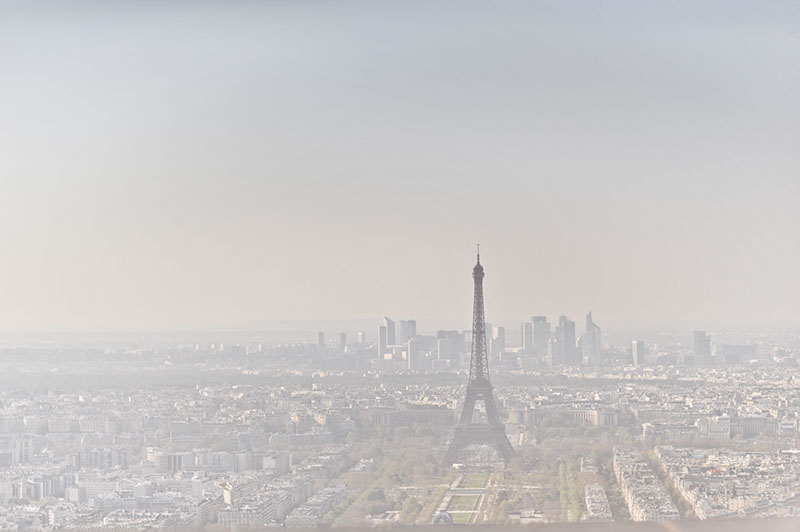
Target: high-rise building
{"x": 734, "y": 354}
{"x": 408, "y": 330}
{"x": 565, "y": 337}
{"x": 458, "y": 340}
{"x": 702, "y": 348}
{"x": 444, "y": 348}
{"x": 414, "y": 354}
{"x": 591, "y": 343}
{"x": 320, "y": 339}
{"x": 362, "y": 338}
{"x": 527, "y": 336}
{"x": 555, "y": 351}
{"x": 382, "y": 341}
{"x": 639, "y": 352}
{"x": 541, "y": 334}
{"x": 342, "y": 339}
{"x": 391, "y": 334}
{"x": 498, "y": 341}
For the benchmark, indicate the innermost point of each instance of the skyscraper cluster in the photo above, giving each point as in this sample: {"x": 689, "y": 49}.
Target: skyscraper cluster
{"x": 562, "y": 349}
{"x": 402, "y": 340}
{"x": 540, "y": 344}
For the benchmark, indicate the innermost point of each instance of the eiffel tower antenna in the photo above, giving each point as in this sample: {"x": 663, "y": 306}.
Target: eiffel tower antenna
{"x": 493, "y": 432}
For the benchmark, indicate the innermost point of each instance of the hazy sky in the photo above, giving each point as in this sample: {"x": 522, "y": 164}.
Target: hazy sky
{"x": 174, "y": 165}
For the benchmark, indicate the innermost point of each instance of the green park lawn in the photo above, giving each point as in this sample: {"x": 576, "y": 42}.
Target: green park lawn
{"x": 474, "y": 480}
{"x": 463, "y": 503}
{"x": 462, "y": 518}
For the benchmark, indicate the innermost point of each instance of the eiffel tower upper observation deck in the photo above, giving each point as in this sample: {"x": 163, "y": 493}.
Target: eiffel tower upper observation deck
{"x": 479, "y": 388}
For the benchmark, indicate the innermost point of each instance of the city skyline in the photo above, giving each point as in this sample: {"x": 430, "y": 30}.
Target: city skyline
{"x": 356, "y": 265}
{"x": 353, "y": 325}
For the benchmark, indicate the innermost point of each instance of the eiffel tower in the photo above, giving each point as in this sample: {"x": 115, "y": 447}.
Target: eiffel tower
{"x": 493, "y": 432}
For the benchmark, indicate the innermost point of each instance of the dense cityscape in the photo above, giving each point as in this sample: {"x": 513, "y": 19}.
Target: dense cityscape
{"x": 345, "y": 431}
{"x": 243, "y": 247}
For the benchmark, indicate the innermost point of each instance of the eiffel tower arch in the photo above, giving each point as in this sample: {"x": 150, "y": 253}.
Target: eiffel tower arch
{"x": 479, "y": 388}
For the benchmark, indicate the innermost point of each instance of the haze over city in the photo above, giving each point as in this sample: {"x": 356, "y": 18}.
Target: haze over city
{"x": 367, "y": 265}
{"x": 193, "y": 165}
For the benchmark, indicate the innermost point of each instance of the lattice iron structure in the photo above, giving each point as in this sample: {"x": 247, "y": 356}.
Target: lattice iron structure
{"x": 479, "y": 388}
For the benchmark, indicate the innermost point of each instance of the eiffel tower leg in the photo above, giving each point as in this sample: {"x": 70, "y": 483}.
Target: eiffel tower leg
{"x": 451, "y": 454}
{"x": 504, "y": 447}
{"x": 491, "y": 409}
{"x": 468, "y": 411}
